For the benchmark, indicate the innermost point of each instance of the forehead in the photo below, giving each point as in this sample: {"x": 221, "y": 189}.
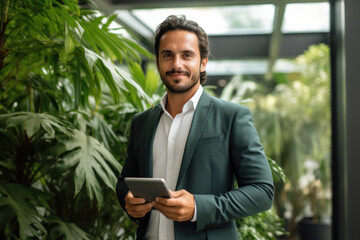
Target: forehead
{"x": 179, "y": 39}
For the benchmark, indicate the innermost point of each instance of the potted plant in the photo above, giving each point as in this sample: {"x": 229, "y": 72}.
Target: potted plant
{"x": 316, "y": 223}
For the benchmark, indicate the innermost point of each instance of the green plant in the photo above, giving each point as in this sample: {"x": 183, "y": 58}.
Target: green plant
{"x": 265, "y": 225}
{"x": 64, "y": 118}
{"x": 294, "y": 124}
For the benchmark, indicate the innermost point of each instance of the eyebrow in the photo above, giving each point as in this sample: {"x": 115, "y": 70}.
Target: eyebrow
{"x": 189, "y": 51}
{"x": 183, "y": 51}
{"x": 165, "y": 51}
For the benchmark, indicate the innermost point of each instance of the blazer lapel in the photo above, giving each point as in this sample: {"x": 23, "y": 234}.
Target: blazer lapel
{"x": 151, "y": 126}
{"x": 201, "y": 115}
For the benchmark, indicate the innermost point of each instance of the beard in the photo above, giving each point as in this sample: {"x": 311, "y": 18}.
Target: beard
{"x": 173, "y": 87}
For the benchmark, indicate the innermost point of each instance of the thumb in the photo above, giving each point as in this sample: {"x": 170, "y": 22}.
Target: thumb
{"x": 177, "y": 194}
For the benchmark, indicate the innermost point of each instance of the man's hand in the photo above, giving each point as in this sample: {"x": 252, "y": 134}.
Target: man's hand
{"x": 136, "y": 207}
{"x": 179, "y": 208}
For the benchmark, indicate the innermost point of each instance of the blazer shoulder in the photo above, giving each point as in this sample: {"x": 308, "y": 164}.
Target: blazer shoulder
{"x": 145, "y": 115}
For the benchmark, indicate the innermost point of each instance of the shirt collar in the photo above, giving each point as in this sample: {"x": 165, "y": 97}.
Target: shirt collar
{"x": 192, "y": 103}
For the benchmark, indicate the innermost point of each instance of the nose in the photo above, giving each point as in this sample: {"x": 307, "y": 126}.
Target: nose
{"x": 177, "y": 62}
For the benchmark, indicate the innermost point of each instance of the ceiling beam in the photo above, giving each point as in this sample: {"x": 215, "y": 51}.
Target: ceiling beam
{"x": 276, "y": 39}
{"x": 257, "y": 46}
{"x": 294, "y": 44}
{"x": 239, "y": 46}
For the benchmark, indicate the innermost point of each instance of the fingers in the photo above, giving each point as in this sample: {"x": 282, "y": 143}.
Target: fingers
{"x": 136, "y": 207}
{"x": 180, "y": 198}
{"x": 133, "y": 200}
{"x": 178, "y": 208}
{"x": 138, "y": 211}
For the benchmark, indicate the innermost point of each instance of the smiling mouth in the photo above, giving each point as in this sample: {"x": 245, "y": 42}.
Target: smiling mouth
{"x": 174, "y": 73}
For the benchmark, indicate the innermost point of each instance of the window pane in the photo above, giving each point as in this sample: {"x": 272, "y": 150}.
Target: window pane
{"x": 247, "y": 67}
{"x": 306, "y": 17}
{"x": 236, "y": 67}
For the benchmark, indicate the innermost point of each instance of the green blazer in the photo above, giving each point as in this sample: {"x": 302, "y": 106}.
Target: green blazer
{"x": 222, "y": 146}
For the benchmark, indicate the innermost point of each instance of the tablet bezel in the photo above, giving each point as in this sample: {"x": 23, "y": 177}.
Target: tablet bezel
{"x": 148, "y": 188}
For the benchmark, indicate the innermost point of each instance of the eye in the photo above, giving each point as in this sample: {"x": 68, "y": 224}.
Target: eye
{"x": 166, "y": 55}
{"x": 187, "y": 55}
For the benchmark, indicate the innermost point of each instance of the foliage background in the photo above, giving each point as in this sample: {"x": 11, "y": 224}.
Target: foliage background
{"x": 292, "y": 115}
{"x": 295, "y": 127}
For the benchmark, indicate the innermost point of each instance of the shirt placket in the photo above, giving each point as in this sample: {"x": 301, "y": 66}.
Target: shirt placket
{"x": 174, "y": 125}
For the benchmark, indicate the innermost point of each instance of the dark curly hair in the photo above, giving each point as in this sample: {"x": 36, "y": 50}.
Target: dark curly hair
{"x": 173, "y": 22}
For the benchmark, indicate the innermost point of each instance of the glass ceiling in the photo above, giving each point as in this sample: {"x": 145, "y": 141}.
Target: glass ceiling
{"x": 217, "y": 20}
{"x": 244, "y": 20}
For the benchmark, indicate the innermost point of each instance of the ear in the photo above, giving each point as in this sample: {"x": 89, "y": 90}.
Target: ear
{"x": 203, "y": 63}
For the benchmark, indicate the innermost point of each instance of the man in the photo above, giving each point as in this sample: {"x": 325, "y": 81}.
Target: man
{"x": 199, "y": 144}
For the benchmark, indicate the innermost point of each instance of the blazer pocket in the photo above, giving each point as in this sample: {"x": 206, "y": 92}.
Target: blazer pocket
{"x": 208, "y": 140}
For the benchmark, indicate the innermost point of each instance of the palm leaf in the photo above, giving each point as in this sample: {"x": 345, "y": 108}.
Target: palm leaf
{"x": 33, "y": 122}
{"x": 149, "y": 82}
{"x": 19, "y": 201}
{"x": 119, "y": 76}
{"x": 104, "y": 133}
{"x": 91, "y": 159}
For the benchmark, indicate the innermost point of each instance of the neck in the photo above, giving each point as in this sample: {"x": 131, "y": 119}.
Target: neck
{"x": 176, "y": 101}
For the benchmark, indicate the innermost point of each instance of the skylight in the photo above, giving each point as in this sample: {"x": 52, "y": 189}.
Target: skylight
{"x": 241, "y": 19}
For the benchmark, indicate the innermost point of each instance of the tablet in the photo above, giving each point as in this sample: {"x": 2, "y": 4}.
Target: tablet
{"x": 148, "y": 188}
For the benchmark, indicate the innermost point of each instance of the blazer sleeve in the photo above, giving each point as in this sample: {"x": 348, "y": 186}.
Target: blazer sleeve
{"x": 250, "y": 166}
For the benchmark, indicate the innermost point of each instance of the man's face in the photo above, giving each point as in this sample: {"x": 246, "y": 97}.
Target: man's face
{"x": 179, "y": 62}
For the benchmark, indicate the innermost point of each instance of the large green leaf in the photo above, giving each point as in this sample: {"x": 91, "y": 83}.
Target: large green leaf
{"x": 91, "y": 159}
{"x": 33, "y": 122}
{"x": 23, "y": 202}
{"x": 150, "y": 83}
{"x": 104, "y": 133}
{"x": 118, "y": 75}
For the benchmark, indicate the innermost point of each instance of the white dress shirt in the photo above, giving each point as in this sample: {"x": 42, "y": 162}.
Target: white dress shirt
{"x": 168, "y": 149}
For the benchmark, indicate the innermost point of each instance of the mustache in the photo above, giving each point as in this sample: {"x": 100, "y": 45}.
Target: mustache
{"x": 173, "y": 71}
